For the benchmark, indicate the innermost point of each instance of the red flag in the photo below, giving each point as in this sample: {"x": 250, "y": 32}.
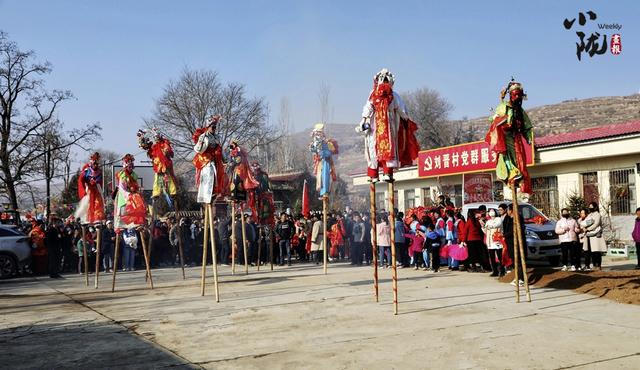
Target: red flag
{"x": 305, "y": 200}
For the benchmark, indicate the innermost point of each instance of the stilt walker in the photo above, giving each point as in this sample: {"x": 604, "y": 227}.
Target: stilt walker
{"x": 211, "y": 182}
{"x": 323, "y": 150}
{"x": 129, "y": 210}
{"x": 90, "y": 209}
{"x": 160, "y": 152}
{"x": 241, "y": 184}
{"x": 374, "y": 237}
{"x": 390, "y": 143}
{"x": 510, "y": 128}
{"x": 261, "y": 204}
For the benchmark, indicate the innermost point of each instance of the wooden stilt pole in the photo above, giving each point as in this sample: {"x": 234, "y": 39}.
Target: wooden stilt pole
{"x": 374, "y": 237}
{"x": 244, "y": 241}
{"x": 233, "y": 238}
{"x": 392, "y": 222}
{"x": 205, "y": 241}
{"x": 516, "y": 242}
{"x": 180, "y": 245}
{"x": 145, "y": 252}
{"x": 98, "y": 245}
{"x": 518, "y": 234}
{"x": 325, "y": 200}
{"x": 85, "y": 256}
{"x": 259, "y": 245}
{"x": 214, "y": 252}
{"x": 152, "y": 229}
{"x": 115, "y": 262}
{"x": 270, "y": 238}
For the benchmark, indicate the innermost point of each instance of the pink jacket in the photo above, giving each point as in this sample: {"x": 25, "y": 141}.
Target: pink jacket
{"x": 384, "y": 234}
{"x": 567, "y": 230}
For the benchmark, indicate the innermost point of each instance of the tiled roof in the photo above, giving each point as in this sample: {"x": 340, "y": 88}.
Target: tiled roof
{"x": 285, "y": 177}
{"x": 593, "y": 133}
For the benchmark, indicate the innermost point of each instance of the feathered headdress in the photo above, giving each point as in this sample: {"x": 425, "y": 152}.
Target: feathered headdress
{"x": 128, "y": 158}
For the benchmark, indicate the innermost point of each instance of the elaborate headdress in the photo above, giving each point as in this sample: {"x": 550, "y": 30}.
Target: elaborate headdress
{"x": 212, "y": 120}
{"x": 127, "y": 159}
{"x": 95, "y": 157}
{"x": 513, "y": 85}
{"x": 384, "y": 76}
{"x": 143, "y": 141}
{"x": 318, "y": 130}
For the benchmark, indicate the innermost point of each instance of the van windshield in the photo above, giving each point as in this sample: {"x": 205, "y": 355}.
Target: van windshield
{"x": 532, "y": 215}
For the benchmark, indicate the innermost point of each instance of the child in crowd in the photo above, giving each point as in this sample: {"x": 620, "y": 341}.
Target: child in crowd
{"x": 434, "y": 242}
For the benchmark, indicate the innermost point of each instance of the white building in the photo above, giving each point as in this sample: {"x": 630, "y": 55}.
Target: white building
{"x": 600, "y": 164}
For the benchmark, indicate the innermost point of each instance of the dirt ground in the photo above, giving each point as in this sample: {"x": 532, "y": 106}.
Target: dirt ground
{"x": 622, "y": 286}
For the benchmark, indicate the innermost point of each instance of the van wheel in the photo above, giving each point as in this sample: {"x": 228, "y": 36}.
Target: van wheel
{"x": 554, "y": 261}
{"x": 8, "y": 266}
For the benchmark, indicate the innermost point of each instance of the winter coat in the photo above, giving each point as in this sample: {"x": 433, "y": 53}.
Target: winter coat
{"x": 567, "y": 236}
{"x": 317, "y": 236}
{"x": 491, "y": 227}
{"x": 384, "y": 234}
{"x": 593, "y": 237}
{"x": 636, "y": 231}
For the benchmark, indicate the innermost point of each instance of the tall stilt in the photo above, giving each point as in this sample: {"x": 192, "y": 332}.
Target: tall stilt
{"x": 392, "y": 222}
{"x": 325, "y": 200}
{"x": 233, "y": 238}
{"x": 244, "y": 241}
{"x": 98, "y": 245}
{"x": 214, "y": 252}
{"x": 516, "y": 244}
{"x": 259, "y": 245}
{"x": 518, "y": 233}
{"x": 152, "y": 230}
{"x": 145, "y": 252}
{"x": 115, "y": 261}
{"x": 85, "y": 257}
{"x": 374, "y": 237}
{"x": 205, "y": 241}
{"x": 270, "y": 239}
{"x": 180, "y": 245}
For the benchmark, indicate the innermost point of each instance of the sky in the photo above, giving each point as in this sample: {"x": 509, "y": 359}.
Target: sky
{"x": 116, "y": 56}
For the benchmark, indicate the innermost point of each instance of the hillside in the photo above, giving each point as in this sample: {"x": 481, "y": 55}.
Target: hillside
{"x": 558, "y": 118}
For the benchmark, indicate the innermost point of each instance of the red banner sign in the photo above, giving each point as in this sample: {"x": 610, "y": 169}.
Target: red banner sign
{"x": 477, "y": 187}
{"x": 463, "y": 158}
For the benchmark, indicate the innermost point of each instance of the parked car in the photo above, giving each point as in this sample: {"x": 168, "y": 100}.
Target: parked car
{"x": 15, "y": 251}
{"x": 541, "y": 239}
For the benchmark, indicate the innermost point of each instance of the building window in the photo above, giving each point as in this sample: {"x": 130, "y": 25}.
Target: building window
{"x": 498, "y": 191}
{"x": 457, "y": 199}
{"x": 409, "y": 199}
{"x": 590, "y": 191}
{"x": 380, "y": 201}
{"x": 545, "y": 195}
{"x": 622, "y": 191}
{"x": 426, "y": 196}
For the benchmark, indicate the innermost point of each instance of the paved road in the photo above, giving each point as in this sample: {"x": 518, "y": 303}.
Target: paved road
{"x": 298, "y": 318}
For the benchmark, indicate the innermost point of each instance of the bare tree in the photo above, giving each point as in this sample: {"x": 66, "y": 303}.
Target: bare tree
{"x": 431, "y": 111}
{"x": 323, "y": 96}
{"x": 27, "y": 110}
{"x": 186, "y": 103}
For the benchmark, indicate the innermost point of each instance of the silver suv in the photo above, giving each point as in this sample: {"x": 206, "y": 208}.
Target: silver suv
{"x": 15, "y": 251}
{"x": 542, "y": 241}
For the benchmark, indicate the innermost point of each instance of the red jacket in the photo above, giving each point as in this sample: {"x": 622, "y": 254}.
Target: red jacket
{"x": 472, "y": 231}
